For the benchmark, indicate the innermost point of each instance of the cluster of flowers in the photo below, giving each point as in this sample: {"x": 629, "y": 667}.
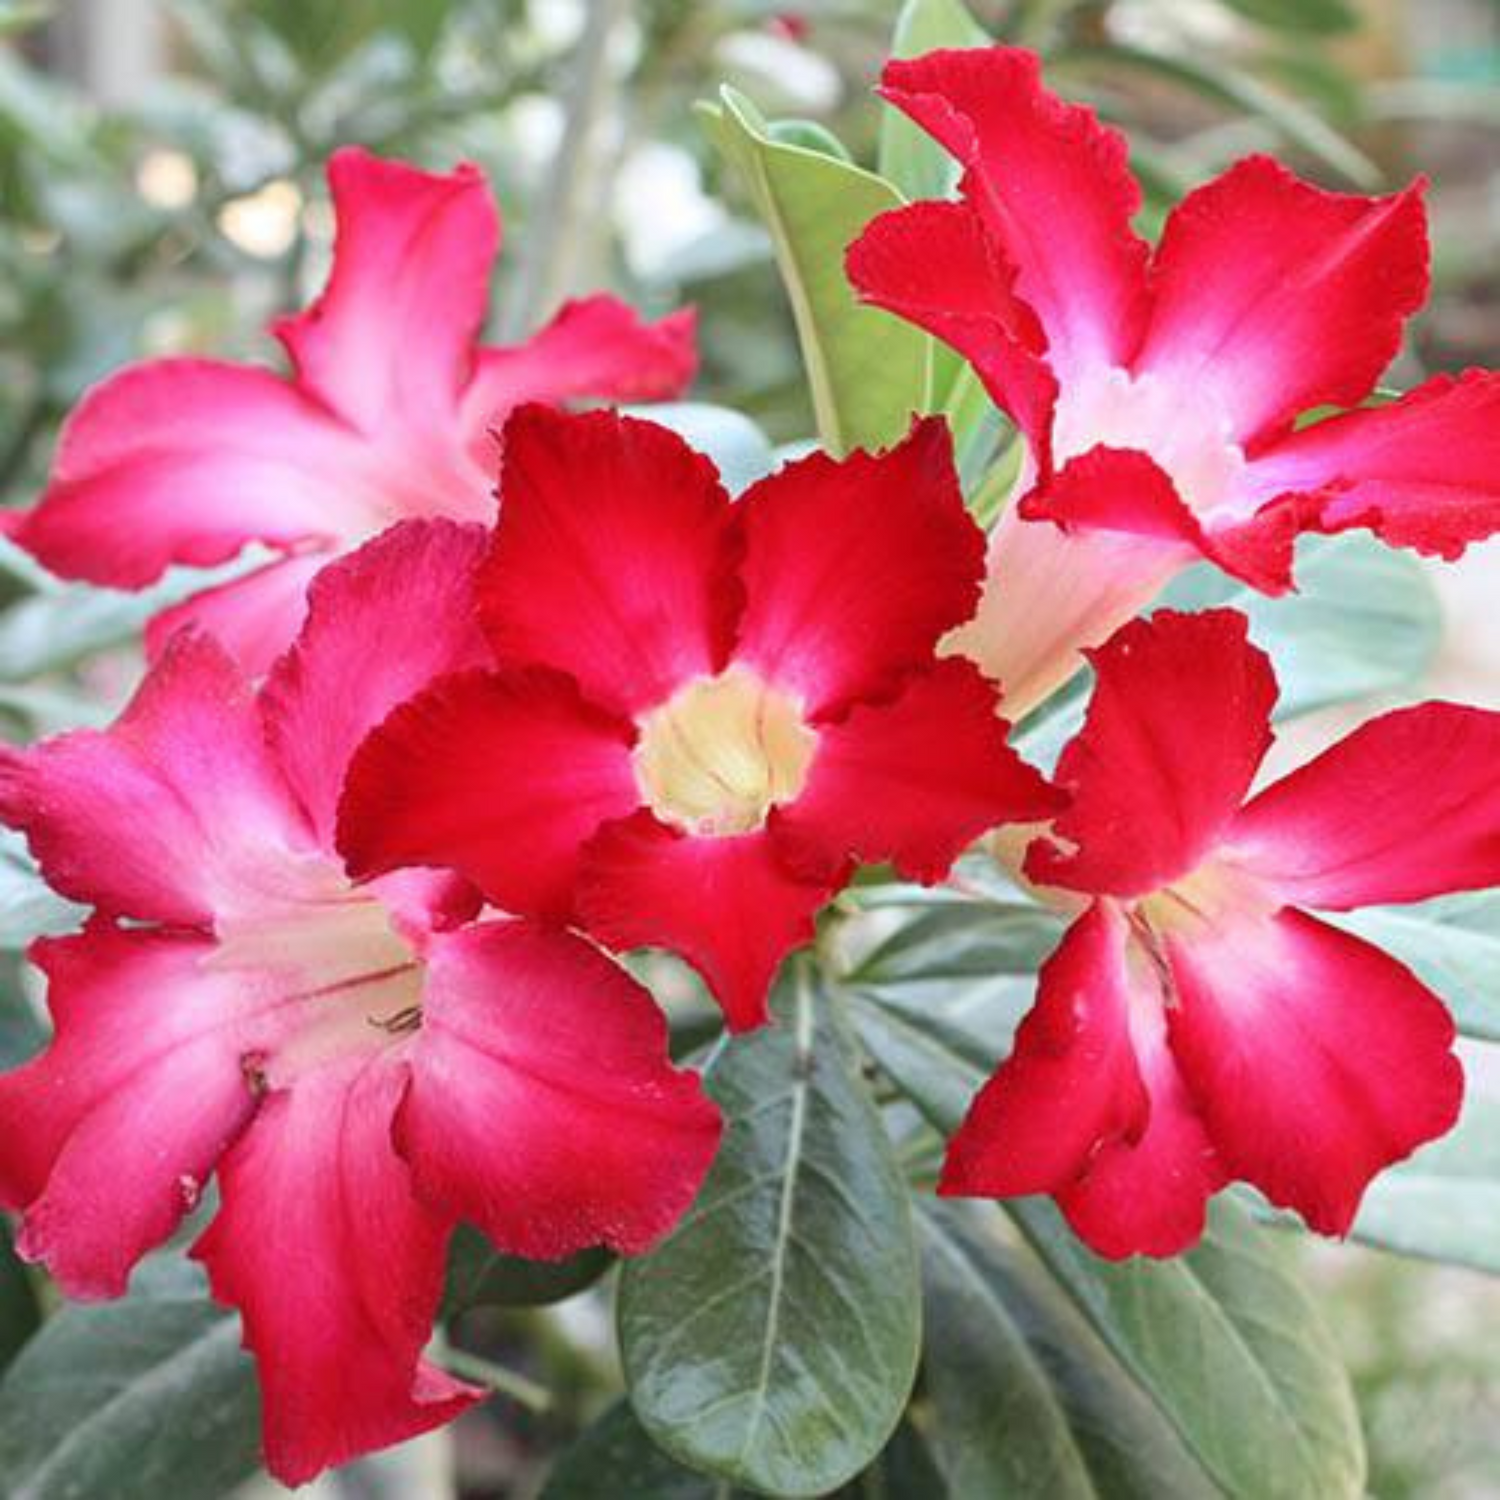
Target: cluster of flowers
{"x": 357, "y": 848}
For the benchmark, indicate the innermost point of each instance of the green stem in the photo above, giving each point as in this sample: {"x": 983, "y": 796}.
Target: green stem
{"x": 505, "y": 1382}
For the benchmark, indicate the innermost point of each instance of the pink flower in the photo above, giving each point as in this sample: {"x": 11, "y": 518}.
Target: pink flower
{"x": 1196, "y": 1024}
{"x": 391, "y": 412}
{"x": 1158, "y": 391}
{"x": 358, "y": 1066}
{"x": 703, "y": 711}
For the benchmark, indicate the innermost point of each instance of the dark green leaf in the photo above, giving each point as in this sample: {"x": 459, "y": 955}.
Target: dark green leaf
{"x": 137, "y": 1399}
{"x": 19, "y": 1313}
{"x": 773, "y": 1338}
{"x": 480, "y": 1275}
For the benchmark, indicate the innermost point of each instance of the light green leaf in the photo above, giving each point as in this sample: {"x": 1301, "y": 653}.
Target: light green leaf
{"x": 480, "y": 1275}
{"x": 1453, "y": 943}
{"x": 1319, "y": 17}
{"x": 909, "y": 158}
{"x": 136, "y": 1399}
{"x": 773, "y": 1339}
{"x": 29, "y": 907}
{"x": 866, "y": 370}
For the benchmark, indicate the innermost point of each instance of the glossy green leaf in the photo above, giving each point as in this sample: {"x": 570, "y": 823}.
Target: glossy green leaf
{"x": 772, "y": 1340}
{"x": 20, "y": 1314}
{"x": 867, "y": 371}
{"x": 1453, "y": 944}
{"x": 1444, "y": 1203}
{"x": 480, "y": 1275}
{"x": 137, "y": 1399}
{"x": 909, "y": 157}
{"x": 1228, "y": 1345}
{"x": 1026, "y": 1402}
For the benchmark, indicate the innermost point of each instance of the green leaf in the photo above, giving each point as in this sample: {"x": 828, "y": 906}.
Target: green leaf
{"x": 480, "y": 1275}
{"x": 909, "y": 158}
{"x": 1319, "y": 17}
{"x": 1026, "y": 1402}
{"x": 1453, "y": 944}
{"x": 773, "y": 1339}
{"x": 136, "y": 1399}
{"x": 19, "y": 1313}
{"x": 810, "y": 135}
{"x": 29, "y": 907}
{"x": 1444, "y": 1203}
{"x": 866, "y": 370}
{"x": 1230, "y": 1348}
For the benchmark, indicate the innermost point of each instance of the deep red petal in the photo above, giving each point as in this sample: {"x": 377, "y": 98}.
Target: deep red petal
{"x": 382, "y": 623}
{"x": 501, "y": 777}
{"x": 1273, "y": 296}
{"x": 1406, "y": 807}
{"x": 336, "y": 1269}
{"x": 1177, "y": 726}
{"x": 1053, "y": 186}
{"x": 390, "y": 340}
{"x": 173, "y": 813}
{"x": 726, "y": 905}
{"x": 536, "y": 1041}
{"x": 853, "y": 568}
{"x": 612, "y": 559}
{"x": 1420, "y": 473}
{"x": 913, "y": 781}
{"x": 1315, "y": 1059}
{"x": 112, "y": 1132}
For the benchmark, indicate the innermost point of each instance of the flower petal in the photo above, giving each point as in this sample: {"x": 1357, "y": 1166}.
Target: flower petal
{"x": 382, "y": 623}
{"x": 611, "y": 559}
{"x": 1177, "y": 726}
{"x": 111, "y": 1133}
{"x": 173, "y": 813}
{"x": 1419, "y": 473}
{"x": 187, "y": 460}
{"x": 336, "y": 1269}
{"x": 1431, "y": 775}
{"x": 972, "y": 307}
{"x": 1315, "y": 1059}
{"x": 726, "y": 905}
{"x": 501, "y": 777}
{"x": 853, "y": 568}
{"x": 1053, "y": 186}
{"x": 543, "y": 1106}
{"x": 389, "y": 343}
{"x": 913, "y": 781}
{"x": 1275, "y": 296}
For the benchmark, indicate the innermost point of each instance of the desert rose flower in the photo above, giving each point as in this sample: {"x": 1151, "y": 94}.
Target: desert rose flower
{"x": 390, "y": 412}
{"x": 1158, "y": 391}
{"x": 1197, "y": 1024}
{"x": 702, "y": 712}
{"x": 358, "y": 1067}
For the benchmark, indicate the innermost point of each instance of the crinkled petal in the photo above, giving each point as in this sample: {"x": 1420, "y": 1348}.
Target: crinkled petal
{"x": 501, "y": 777}
{"x": 543, "y": 1106}
{"x": 111, "y": 1133}
{"x": 390, "y": 340}
{"x": 1053, "y": 186}
{"x": 1274, "y": 296}
{"x": 187, "y": 460}
{"x": 853, "y": 568}
{"x": 382, "y": 624}
{"x": 972, "y": 307}
{"x": 174, "y": 813}
{"x": 1406, "y": 807}
{"x": 1315, "y": 1059}
{"x": 612, "y": 558}
{"x": 1423, "y": 472}
{"x": 913, "y": 781}
{"x": 336, "y": 1269}
{"x": 726, "y": 905}
{"x": 1177, "y": 726}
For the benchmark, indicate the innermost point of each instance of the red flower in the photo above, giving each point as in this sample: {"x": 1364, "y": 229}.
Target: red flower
{"x": 360, "y": 1067}
{"x": 1158, "y": 391}
{"x": 703, "y": 710}
{"x": 1196, "y": 1025}
{"x": 390, "y": 413}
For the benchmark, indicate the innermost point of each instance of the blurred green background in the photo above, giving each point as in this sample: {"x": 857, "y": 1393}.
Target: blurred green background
{"x": 161, "y": 192}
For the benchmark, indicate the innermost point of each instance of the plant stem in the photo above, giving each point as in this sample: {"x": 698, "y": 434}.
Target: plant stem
{"x": 506, "y": 1382}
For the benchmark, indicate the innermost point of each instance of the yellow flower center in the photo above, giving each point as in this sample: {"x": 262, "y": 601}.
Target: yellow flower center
{"x": 721, "y": 753}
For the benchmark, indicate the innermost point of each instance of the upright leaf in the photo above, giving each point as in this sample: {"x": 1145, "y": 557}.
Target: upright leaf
{"x": 867, "y": 371}
{"x": 136, "y": 1399}
{"x": 772, "y": 1340}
